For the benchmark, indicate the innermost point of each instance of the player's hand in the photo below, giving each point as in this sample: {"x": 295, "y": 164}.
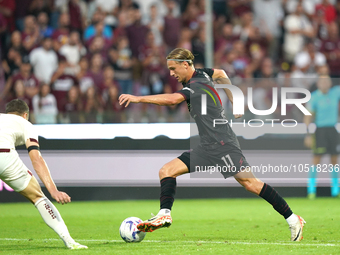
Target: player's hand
{"x": 61, "y": 197}
{"x": 127, "y": 99}
{"x": 308, "y": 141}
{"x": 238, "y": 116}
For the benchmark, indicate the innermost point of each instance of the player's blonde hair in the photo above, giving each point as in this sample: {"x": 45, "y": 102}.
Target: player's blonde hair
{"x": 181, "y": 55}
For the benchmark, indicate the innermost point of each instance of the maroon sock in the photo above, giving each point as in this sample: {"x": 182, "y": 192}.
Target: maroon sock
{"x": 168, "y": 191}
{"x": 272, "y": 197}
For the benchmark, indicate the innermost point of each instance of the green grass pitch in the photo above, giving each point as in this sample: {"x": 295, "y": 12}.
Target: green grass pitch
{"x": 209, "y": 226}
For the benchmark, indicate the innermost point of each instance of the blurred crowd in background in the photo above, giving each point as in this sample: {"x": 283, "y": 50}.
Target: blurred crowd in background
{"x": 71, "y": 59}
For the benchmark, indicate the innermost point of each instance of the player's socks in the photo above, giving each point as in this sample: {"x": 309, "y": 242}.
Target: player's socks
{"x": 311, "y": 189}
{"x": 274, "y": 198}
{"x": 52, "y": 218}
{"x": 335, "y": 183}
{"x": 168, "y": 191}
{"x": 292, "y": 219}
{"x": 164, "y": 212}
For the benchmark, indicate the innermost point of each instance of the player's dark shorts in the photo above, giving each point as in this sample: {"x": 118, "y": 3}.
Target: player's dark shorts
{"x": 222, "y": 158}
{"x": 326, "y": 141}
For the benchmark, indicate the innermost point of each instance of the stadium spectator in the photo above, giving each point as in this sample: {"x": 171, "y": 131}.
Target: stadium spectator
{"x": 73, "y": 51}
{"x": 25, "y": 74}
{"x": 244, "y": 66}
{"x": 297, "y": 28}
{"x": 155, "y": 24}
{"x": 100, "y": 45}
{"x": 198, "y": 46}
{"x": 16, "y": 43}
{"x": 307, "y": 6}
{"x": 72, "y": 106}
{"x": 268, "y": 16}
{"x": 45, "y": 29}
{"x": 77, "y": 11}
{"x": 330, "y": 47}
{"x": 93, "y": 106}
{"x": 19, "y": 93}
{"x": 185, "y": 39}
{"x": 98, "y": 27}
{"x": 108, "y": 81}
{"x": 21, "y": 11}
{"x": 62, "y": 81}
{"x": 308, "y": 62}
{"x": 31, "y": 34}
{"x": 3, "y": 35}
{"x": 325, "y": 11}
{"x": 153, "y": 60}
{"x": 44, "y": 61}
{"x": 120, "y": 29}
{"x": 258, "y": 44}
{"x": 190, "y": 16}
{"x": 224, "y": 40}
{"x": 113, "y": 110}
{"x": 38, "y": 6}
{"x": 238, "y": 8}
{"x": 7, "y": 9}
{"x": 124, "y": 6}
{"x": 136, "y": 32}
{"x": 244, "y": 29}
{"x": 121, "y": 60}
{"x": 95, "y": 73}
{"x": 107, "y": 6}
{"x": 61, "y": 34}
{"x": 227, "y": 63}
{"x": 11, "y": 62}
{"x": 45, "y": 106}
{"x": 85, "y": 81}
{"x": 172, "y": 25}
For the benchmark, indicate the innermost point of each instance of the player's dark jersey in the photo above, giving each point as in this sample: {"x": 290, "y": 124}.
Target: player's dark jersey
{"x": 201, "y": 88}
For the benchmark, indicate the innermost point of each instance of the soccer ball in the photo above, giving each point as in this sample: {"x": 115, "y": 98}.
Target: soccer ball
{"x": 128, "y": 230}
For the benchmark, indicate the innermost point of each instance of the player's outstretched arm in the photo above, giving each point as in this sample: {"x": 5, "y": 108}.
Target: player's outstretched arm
{"x": 43, "y": 172}
{"x": 161, "y": 99}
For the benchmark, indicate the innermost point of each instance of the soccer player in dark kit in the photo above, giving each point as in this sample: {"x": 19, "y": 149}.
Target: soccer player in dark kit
{"x": 218, "y": 143}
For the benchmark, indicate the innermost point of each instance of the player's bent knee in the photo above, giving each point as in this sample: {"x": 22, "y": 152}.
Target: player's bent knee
{"x": 253, "y": 186}
{"x": 33, "y": 191}
{"x": 165, "y": 171}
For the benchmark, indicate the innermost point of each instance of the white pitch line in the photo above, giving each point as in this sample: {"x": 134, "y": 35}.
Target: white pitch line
{"x": 159, "y": 241}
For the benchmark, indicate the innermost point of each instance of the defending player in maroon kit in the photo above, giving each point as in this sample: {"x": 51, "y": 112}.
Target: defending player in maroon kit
{"x": 217, "y": 143}
{"x": 15, "y": 130}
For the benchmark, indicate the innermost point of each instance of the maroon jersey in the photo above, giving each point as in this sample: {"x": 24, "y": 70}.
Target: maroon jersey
{"x": 31, "y": 81}
{"x": 97, "y": 78}
{"x": 61, "y": 35}
{"x": 331, "y": 48}
{"x": 61, "y": 86}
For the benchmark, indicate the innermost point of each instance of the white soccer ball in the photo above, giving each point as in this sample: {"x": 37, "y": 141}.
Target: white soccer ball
{"x": 128, "y": 230}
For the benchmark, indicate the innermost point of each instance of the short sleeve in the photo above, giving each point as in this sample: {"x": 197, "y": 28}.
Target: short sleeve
{"x": 30, "y": 133}
{"x": 208, "y": 71}
{"x": 185, "y": 92}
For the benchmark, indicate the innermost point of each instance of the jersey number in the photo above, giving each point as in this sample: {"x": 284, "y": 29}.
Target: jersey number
{"x": 227, "y": 160}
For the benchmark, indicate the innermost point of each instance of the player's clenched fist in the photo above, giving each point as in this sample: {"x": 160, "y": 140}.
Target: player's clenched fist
{"x": 61, "y": 197}
{"x": 127, "y": 99}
